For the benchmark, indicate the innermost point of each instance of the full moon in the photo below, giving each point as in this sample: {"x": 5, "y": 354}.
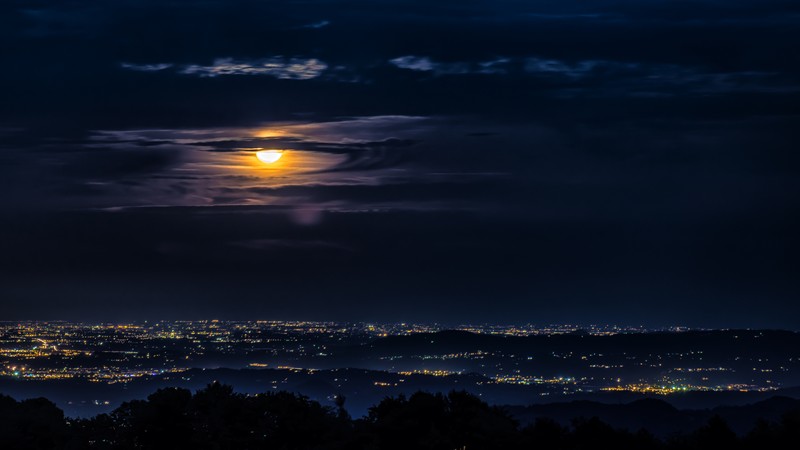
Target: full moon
{"x": 269, "y": 156}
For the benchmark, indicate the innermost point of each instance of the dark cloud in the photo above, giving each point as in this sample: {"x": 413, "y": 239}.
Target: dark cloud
{"x": 408, "y": 195}
{"x": 658, "y": 43}
{"x": 444, "y": 265}
{"x": 608, "y": 155}
{"x": 112, "y": 164}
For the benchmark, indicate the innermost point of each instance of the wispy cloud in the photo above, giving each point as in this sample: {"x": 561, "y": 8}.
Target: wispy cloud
{"x": 627, "y": 78}
{"x": 501, "y": 65}
{"x": 278, "y": 67}
{"x": 411, "y": 62}
{"x": 146, "y": 67}
{"x": 426, "y": 64}
{"x": 553, "y": 66}
{"x": 317, "y": 25}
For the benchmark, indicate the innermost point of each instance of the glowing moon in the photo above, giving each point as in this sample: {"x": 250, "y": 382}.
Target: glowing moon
{"x": 269, "y": 156}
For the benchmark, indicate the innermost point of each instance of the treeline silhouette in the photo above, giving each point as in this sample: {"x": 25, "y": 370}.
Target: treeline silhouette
{"x": 218, "y": 418}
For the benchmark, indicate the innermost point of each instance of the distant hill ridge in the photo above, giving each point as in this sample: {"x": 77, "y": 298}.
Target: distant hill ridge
{"x": 768, "y": 341}
{"x": 658, "y": 416}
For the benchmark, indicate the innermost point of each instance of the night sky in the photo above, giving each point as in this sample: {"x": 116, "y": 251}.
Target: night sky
{"x": 605, "y": 161}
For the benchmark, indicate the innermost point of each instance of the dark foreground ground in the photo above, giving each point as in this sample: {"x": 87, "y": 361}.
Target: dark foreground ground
{"x": 216, "y": 417}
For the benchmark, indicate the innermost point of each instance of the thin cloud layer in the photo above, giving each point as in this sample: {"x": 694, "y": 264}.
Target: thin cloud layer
{"x": 278, "y": 67}
{"x": 426, "y": 64}
{"x": 146, "y": 67}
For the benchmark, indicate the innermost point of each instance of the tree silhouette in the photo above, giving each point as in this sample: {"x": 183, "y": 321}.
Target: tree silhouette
{"x": 715, "y": 434}
{"x": 217, "y": 418}
{"x": 31, "y": 424}
{"x": 436, "y": 421}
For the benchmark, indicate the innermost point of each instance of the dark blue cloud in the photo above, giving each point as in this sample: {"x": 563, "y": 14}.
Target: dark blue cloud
{"x": 612, "y": 155}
